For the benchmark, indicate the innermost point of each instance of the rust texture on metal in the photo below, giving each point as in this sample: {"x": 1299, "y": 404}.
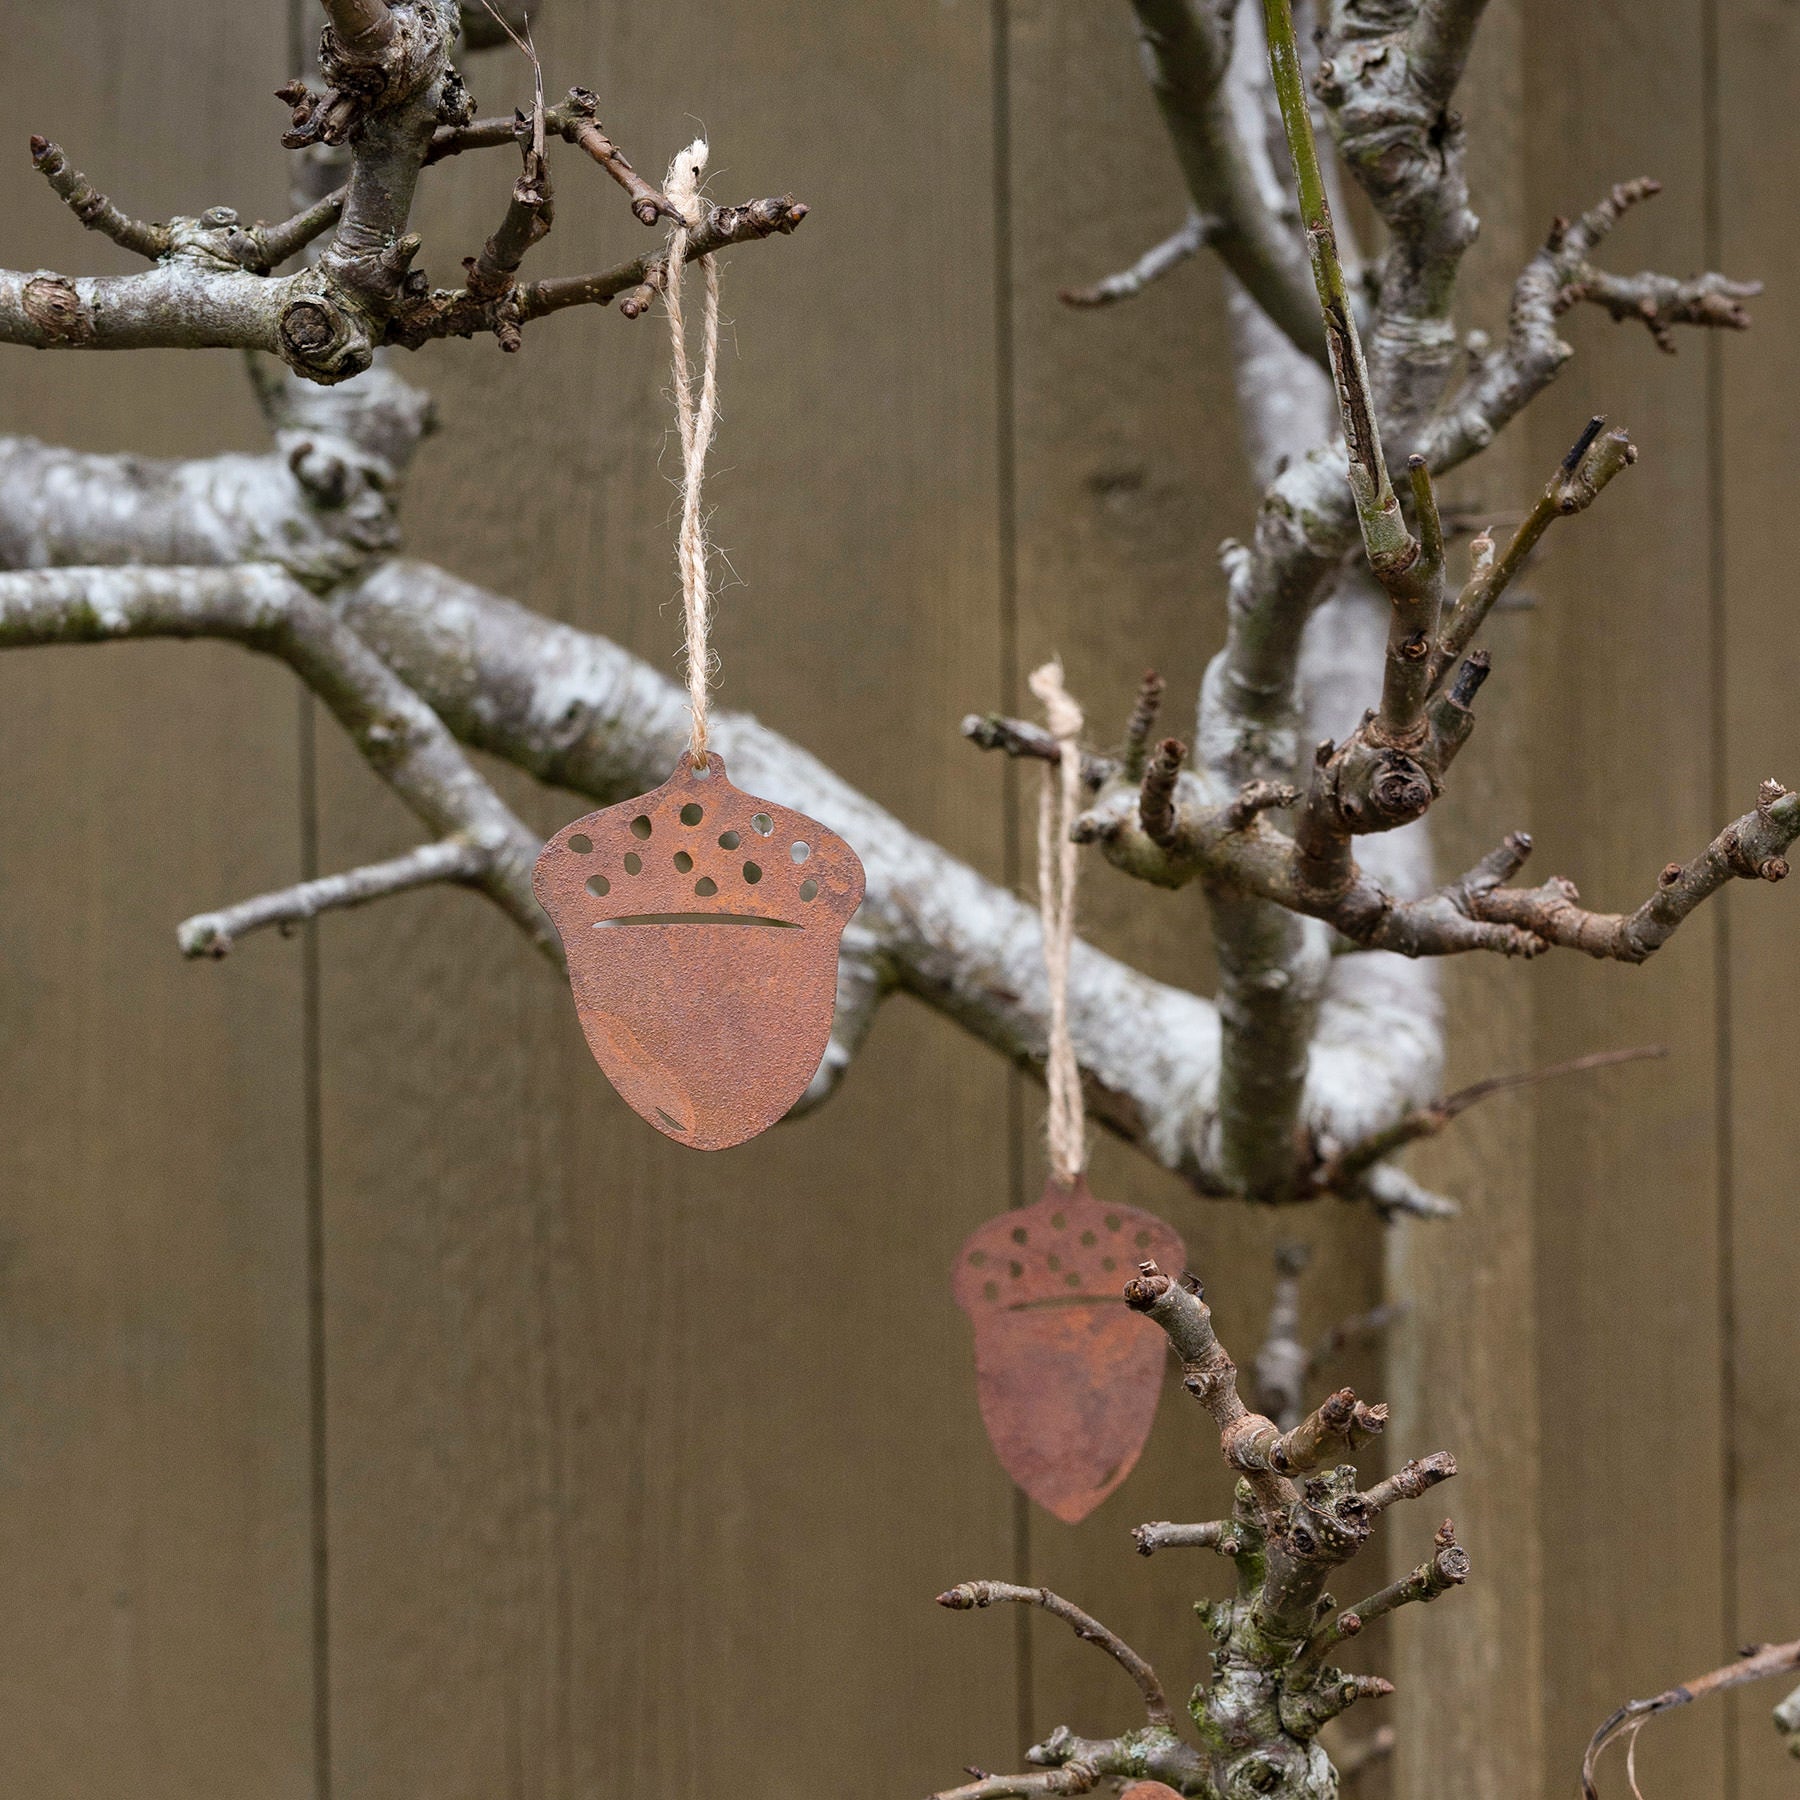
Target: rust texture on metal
{"x": 1149, "y": 1790}
{"x": 1067, "y": 1374}
{"x": 702, "y": 928}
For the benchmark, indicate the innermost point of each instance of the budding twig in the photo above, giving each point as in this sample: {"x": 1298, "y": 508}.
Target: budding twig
{"x": 1156, "y": 798}
{"x": 92, "y": 207}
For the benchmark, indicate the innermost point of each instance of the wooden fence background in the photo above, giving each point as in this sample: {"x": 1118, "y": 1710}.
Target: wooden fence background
{"x": 385, "y": 1415}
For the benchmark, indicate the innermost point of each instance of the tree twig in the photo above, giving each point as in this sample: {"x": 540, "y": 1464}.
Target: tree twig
{"x": 1757, "y": 1665}
{"x": 264, "y": 609}
{"x": 1194, "y": 234}
{"x": 213, "y": 934}
{"x": 92, "y": 207}
{"x": 984, "y": 1593}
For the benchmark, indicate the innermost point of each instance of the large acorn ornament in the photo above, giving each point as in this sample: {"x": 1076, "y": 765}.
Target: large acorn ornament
{"x": 701, "y": 926}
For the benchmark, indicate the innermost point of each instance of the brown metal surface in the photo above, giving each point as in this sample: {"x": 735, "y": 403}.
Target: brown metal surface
{"x": 1149, "y": 1790}
{"x": 702, "y": 928}
{"x": 1068, "y": 1375}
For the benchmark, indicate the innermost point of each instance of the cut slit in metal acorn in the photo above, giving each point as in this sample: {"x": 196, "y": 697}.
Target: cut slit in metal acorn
{"x": 1067, "y": 1375}
{"x": 701, "y": 927}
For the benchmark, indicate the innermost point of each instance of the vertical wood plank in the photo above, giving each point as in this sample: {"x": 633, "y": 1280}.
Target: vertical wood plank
{"x": 646, "y": 1465}
{"x": 154, "y": 1584}
{"x": 1469, "y": 1670}
{"x": 1129, "y": 474}
{"x": 1758, "y": 64}
{"x": 1634, "y": 1519}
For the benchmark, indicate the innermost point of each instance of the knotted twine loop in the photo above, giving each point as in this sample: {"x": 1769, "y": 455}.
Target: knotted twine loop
{"x": 1058, "y": 804}
{"x": 695, "y": 415}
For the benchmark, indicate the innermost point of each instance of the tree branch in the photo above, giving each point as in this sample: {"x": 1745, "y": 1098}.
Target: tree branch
{"x": 1195, "y": 233}
{"x": 1630, "y": 1719}
{"x": 1186, "y": 49}
{"x": 262, "y": 608}
{"x": 970, "y": 1594}
{"x": 1787, "y": 1721}
{"x": 1161, "y": 1535}
{"x": 213, "y": 934}
{"x": 1503, "y": 380}
{"x": 93, "y": 208}
{"x": 641, "y": 279}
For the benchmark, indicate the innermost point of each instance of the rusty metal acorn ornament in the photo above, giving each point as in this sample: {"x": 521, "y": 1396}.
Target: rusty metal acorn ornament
{"x": 1068, "y": 1377}
{"x": 701, "y": 924}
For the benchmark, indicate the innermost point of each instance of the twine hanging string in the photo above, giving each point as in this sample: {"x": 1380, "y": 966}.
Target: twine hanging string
{"x": 1058, "y": 804}
{"x": 695, "y": 415}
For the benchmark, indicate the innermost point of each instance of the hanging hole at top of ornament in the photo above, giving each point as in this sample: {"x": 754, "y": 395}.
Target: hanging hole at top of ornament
{"x": 800, "y": 851}
{"x": 692, "y": 814}
{"x": 640, "y": 826}
{"x": 580, "y": 843}
{"x": 762, "y": 824}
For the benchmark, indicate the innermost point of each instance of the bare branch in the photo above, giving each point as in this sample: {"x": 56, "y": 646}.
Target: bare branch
{"x": 583, "y": 129}
{"x": 1156, "y": 796}
{"x": 1591, "y": 463}
{"x": 490, "y": 276}
{"x": 984, "y": 1593}
{"x": 1161, "y": 1535}
{"x": 1209, "y": 1374}
{"x": 641, "y": 279}
{"x": 264, "y": 609}
{"x": 93, "y": 208}
{"x": 1071, "y": 1778}
{"x": 1410, "y": 1481}
{"x": 1751, "y": 848}
{"x": 1501, "y": 381}
{"x": 1187, "y": 53}
{"x": 1343, "y": 1165}
{"x": 1023, "y": 737}
{"x": 1196, "y": 232}
{"x": 213, "y": 934}
{"x": 1660, "y": 302}
{"x": 1757, "y": 1665}
{"x": 1446, "y": 1567}
{"x": 277, "y": 243}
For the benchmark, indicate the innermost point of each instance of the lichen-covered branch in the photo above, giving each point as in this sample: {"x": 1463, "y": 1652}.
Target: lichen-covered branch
{"x": 395, "y": 102}
{"x": 264, "y": 609}
{"x": 1787, "y": 1721}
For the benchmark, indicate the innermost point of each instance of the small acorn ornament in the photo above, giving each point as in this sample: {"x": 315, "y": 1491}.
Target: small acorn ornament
{"x": 1067, "y": 1375}
{"x": 701, "y": 926}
